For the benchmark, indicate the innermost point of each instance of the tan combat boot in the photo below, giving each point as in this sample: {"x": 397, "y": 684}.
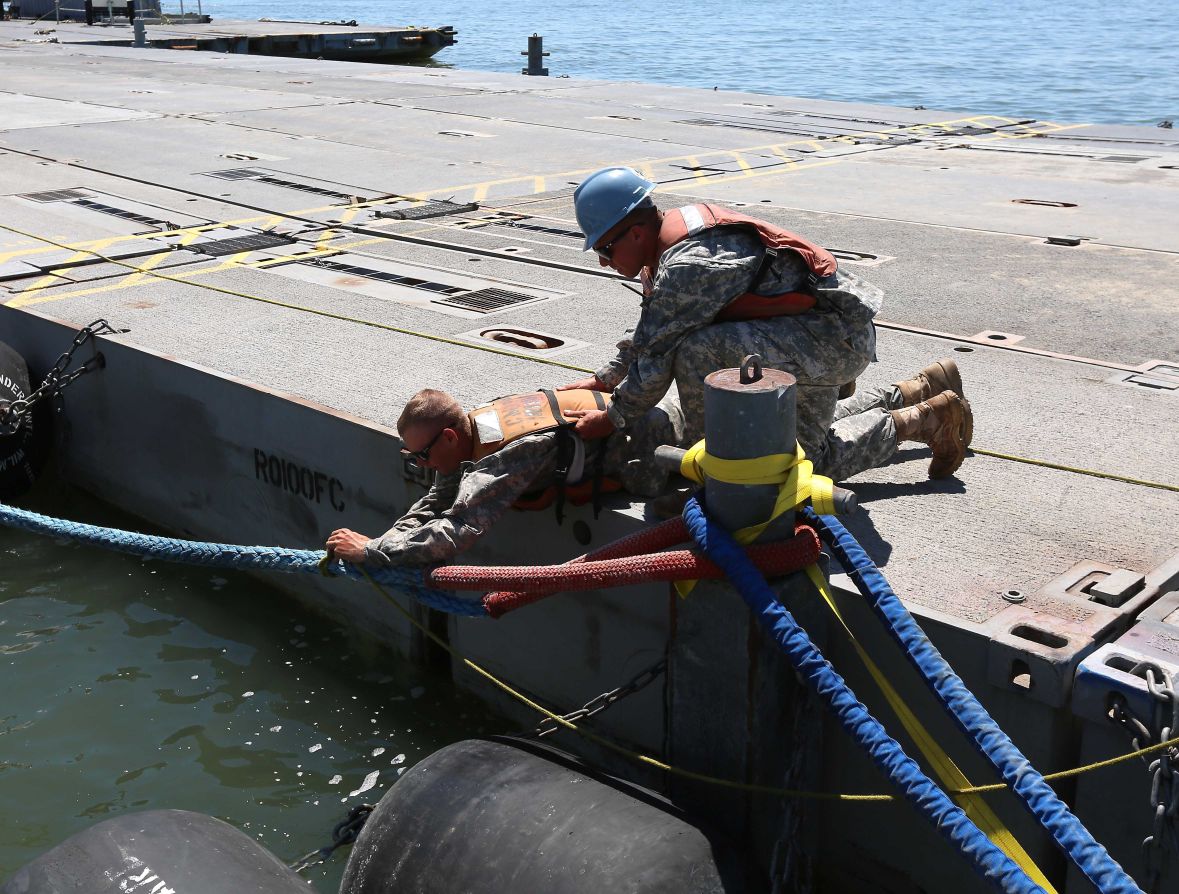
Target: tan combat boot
{"x": 945, "y": 423}
{"x": 939, "y": 376}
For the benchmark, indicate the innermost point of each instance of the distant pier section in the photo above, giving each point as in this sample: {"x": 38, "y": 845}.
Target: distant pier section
{"x": 116, "y": 24}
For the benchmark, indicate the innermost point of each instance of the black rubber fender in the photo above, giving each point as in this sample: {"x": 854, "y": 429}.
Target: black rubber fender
{"x": 157, "y": 851}
{"x": 503, "y": 815}
{"x": 23, "y": 454}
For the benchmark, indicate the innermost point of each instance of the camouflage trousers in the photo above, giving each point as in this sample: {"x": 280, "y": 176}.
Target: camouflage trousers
{"x": 862, "y": 434}
{"x": 630, "y": 454}
{"x": 822, "y": 351}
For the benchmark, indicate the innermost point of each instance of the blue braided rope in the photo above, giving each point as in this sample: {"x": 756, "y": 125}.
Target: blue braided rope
{"x": 222, "y": 555}
{"x": 990, "y": 862}
{"x": 1102, "y": 871}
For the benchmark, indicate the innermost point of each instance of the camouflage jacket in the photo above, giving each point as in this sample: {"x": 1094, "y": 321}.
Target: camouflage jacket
{"x": 693, "y": 281}
{"x": 463, "y": 506}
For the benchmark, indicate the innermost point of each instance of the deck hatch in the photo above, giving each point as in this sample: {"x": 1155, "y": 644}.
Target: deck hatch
{"x": 486, "y": 301}
{"x": 439, "y": 208}
{"x": 253, "y": 242}
{"x": 123, "y": 213}
{"x": 55, "y": 195}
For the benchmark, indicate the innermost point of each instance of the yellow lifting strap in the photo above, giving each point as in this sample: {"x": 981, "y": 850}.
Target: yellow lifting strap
{"x": 792, "y": 472}
{"x": 951, "y": 777}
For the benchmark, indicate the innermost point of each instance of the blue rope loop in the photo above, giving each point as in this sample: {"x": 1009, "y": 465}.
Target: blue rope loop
{"x": 1102, "y": 871}
{"x": 223, "y": 555}
{"x": 931, "y": 802}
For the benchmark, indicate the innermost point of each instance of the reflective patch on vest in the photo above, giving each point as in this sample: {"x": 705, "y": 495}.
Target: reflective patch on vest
{"x": 693, "y": 218}
{"x": 487, "y": 428}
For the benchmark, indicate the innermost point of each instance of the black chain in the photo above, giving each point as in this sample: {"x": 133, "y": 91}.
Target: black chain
{"x": 601, "y": 702}
{"x": 1161, "y": 846}
{"x": 344, "y": 832}
{"x": 12, "y": 415}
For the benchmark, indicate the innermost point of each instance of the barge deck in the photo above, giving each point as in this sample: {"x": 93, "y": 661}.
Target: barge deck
{"x": 294, "y": 250}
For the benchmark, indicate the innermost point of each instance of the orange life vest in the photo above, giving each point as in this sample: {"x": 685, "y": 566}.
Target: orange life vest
{"x": 510, "y": 418}
{"x": 680, "y": 223}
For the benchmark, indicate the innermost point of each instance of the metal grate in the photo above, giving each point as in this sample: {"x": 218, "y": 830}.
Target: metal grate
{"x": 485, "y": 301}
{"x": 234, "y": 244}
{"x": 123, "y": 213}
{"x": 763, "y": 128}
{"x": 968, "y": 131}
{"x": 263, "y": 177}
{"x": 318, "y": 190}
{"x": 236, "y": 174}
{"x": 386, "y": 276}
{"x": 439, "y": 208}
{"x": 517, "y": 222}
{"x": 55, "y": 195}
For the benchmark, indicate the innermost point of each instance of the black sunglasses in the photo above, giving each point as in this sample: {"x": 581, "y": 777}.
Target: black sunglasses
{"x": 607, "y": 250}
{"x": 423, "y": 455}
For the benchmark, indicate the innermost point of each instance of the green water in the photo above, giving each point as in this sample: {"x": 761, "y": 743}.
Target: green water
{"x": 132, "y": 685}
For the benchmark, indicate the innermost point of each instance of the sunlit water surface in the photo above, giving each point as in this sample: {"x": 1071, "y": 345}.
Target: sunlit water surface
{"x": 133, "y": 685}
{"x": 1081, "y": 61}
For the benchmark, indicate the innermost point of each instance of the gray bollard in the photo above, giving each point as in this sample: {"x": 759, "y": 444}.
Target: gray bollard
{"x": 140, "y": 33}
{"x": 749, "y": 412}
{"x": 535, "y": 54}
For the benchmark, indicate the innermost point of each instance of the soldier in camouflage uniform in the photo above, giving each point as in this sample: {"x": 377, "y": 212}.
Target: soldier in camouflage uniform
{"x": 679, "y": 339}
{"x": 468, "y": 497}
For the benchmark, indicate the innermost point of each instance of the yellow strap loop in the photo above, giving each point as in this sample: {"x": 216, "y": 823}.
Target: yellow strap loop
{"x": 797, "y": 483}
{"x": 951, "y": 777}
{"x": 793, "y": 473}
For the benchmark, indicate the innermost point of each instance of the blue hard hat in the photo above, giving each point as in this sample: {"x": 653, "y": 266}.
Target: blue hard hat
{"x": 605, "y": 197}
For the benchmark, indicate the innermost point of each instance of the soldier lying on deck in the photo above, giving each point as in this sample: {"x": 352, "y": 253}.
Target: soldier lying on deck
{"x": 486, "y": 460}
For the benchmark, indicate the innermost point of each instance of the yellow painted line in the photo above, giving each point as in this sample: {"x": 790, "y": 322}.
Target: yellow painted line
{"x": 52, "y": 278}
{"x": 770, "y": 172}
{"x": 789, "y": 159}
{"x": 742, "y": 163}
{"x": 694, "y": 162}
{"x": 155, "y": 260}
{"x": 539, "y": 183}
{"x": 95, "y": 290}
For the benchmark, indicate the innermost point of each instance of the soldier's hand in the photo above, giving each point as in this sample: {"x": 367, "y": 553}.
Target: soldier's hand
{"x": 591, "y": 424}
{"x": 593, "y": 383}
{"x": 347, "y": 544}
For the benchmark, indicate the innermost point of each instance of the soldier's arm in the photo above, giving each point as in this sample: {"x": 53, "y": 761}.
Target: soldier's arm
{"x": 437, "y": 500}
{"x": 486, "y": 492}
{"x": 695, "y": 280}
{"x": 614, "y": 370}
